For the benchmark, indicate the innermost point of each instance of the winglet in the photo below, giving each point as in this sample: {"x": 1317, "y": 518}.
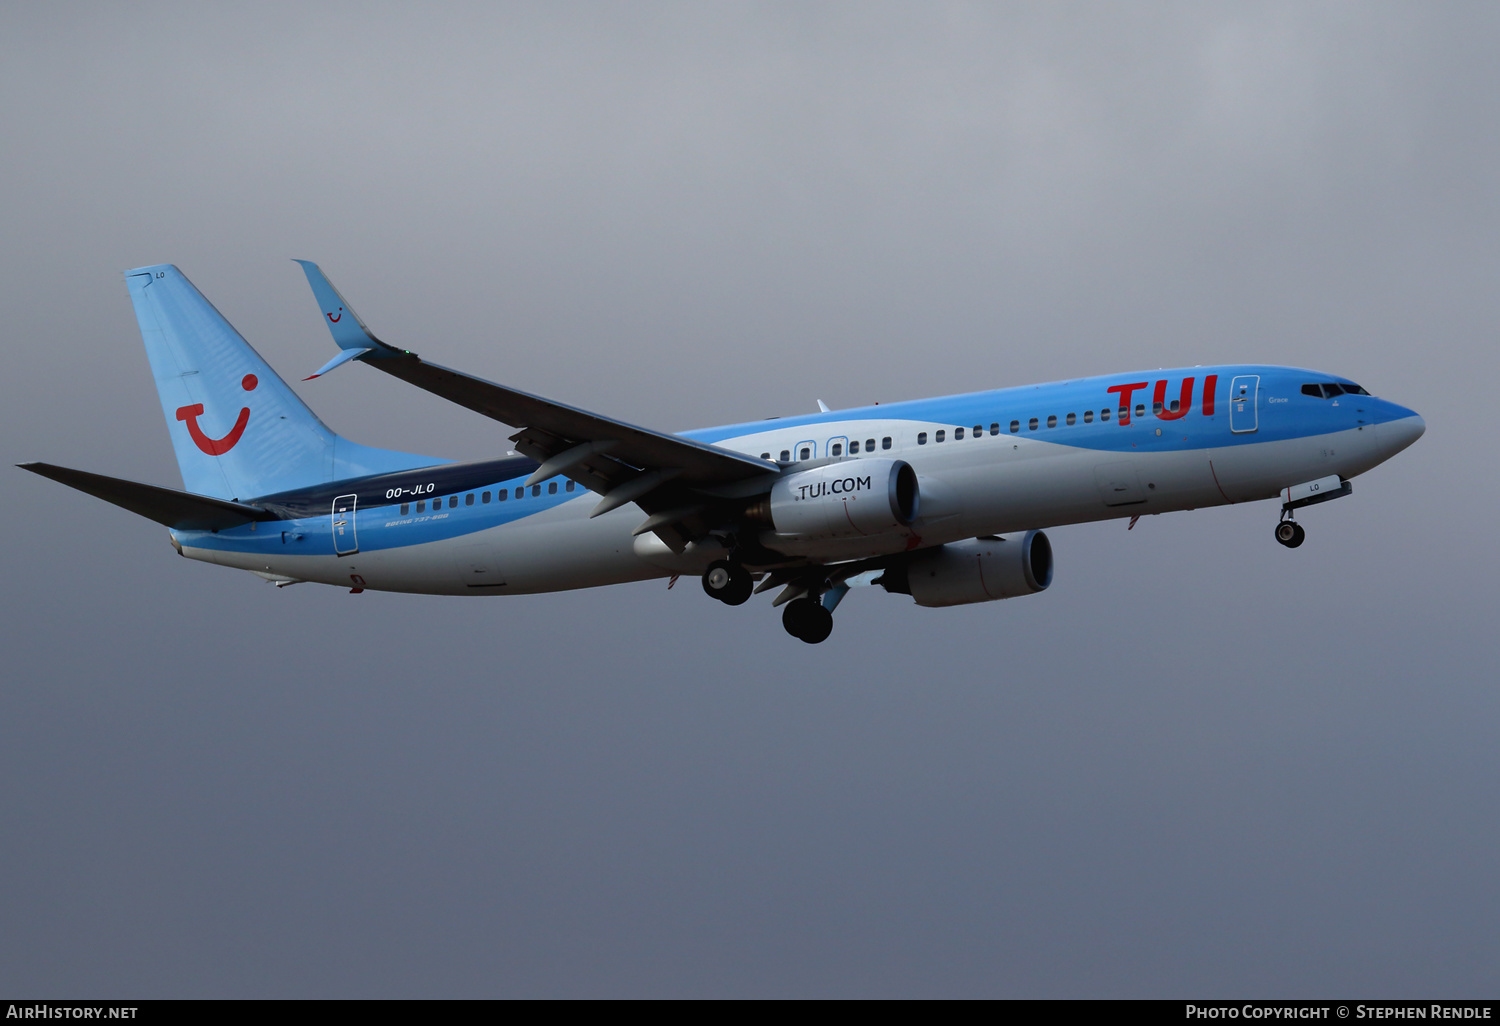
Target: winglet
{"x": 345, "y": 355}
{"x": 348, "y": 329}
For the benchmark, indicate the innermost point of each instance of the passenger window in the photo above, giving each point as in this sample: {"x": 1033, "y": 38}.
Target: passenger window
{"x": 536, "y": 490}
{"x": 1156, "y": 407}
{"x": 421, "y": 505}
{"x": 940, "y": 436}
{"x": 469, "y": 499}
{"x": 869, "y": 445}
{"x": 995, "y": 428}
{"x": 1175, "y": 404}
{"x": 806, "y": 453}
{"x": 405, "y": 508}
{"x": 1052, "y": 420}
{"x": 1140, "y": 409}
{"x": 786, "y": 456}
{"x": 1031, "y": 424}
{"x": 552, "y": 488}
{"x": 453, "y": 502}
{"x": 1015, "y": 426}
{"x": 885, "y": 443}
{"x": 1072, "y": 419}
{"x": 765, "y": 455}
{"x": 958, "y": 434}
{"x": 1088, "y": 416}
{"x": 978, "y": 430}
{"x": 1104, "y": 414}
{"x": 520, "y": 492}
{"x": 854, "y": 447}
{"x": 571, "y": 485}
{"x": 503, "y": 494}
{"x": 484, "y": 497}
{"x": 922, "y": 438}
{"x": 838, "y": 449}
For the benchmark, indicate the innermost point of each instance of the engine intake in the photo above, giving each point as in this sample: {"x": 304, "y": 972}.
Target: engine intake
{"x": 978, "y": 570}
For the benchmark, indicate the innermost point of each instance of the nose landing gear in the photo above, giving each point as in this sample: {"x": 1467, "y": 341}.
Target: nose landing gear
{"x": 1290, "y": 533}
{"x": 728, "y": 582}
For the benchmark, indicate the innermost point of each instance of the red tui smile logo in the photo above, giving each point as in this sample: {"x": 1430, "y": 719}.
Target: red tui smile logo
{"x": 218, "y": 446}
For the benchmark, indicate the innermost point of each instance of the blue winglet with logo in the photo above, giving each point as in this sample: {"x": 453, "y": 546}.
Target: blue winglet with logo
{"x": 349, "y": 331}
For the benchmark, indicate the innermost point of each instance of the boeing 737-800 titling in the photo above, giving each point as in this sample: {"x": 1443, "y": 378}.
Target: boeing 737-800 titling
{"x": 941, "y": 499}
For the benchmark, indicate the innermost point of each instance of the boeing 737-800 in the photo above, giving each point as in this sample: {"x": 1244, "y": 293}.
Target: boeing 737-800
{"x": 944, "y": 500}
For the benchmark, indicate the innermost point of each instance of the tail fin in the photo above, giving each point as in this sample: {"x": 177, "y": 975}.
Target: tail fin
{"x": 236, "y": 427}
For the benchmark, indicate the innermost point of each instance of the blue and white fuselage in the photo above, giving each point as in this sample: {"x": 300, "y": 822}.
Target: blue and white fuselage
{"x": 983, "y": 467}
{"x": 923, "y": 492}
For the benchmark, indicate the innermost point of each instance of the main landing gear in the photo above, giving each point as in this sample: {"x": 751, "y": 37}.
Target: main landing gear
{"x": 728, "y": 582}
{"x": 807, "y": 620}
{"x": 1290, "y": 533}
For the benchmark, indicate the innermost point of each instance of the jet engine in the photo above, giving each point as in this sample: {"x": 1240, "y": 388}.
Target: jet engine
{"x": 849, "y": 499}
{"x": 977, "y": 570}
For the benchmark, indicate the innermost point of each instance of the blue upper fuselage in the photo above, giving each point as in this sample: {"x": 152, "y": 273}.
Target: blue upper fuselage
{"x": 1200, "y": 420}
{"x": 1174, "y": 409}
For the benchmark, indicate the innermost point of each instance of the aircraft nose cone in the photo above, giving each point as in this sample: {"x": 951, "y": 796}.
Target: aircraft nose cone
{"x": 1396, "y": 435}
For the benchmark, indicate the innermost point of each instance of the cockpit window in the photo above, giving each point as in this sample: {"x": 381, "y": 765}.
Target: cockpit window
{"x": 1331, "y": 389}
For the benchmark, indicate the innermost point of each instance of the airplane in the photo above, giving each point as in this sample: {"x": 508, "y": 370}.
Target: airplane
{"x": 945, "y": 500}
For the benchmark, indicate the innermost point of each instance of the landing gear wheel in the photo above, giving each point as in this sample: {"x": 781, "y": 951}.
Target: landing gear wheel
{"x": 807, "y": 620}
{"x": 728, "y": 582}
{"x": 1290, "y": 533}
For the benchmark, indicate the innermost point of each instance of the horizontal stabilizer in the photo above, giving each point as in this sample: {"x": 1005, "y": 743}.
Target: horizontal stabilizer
{"x": 183, "y": 511}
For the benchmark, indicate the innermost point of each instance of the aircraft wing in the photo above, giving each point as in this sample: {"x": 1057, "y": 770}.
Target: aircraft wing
{"x": 621, "y": 461}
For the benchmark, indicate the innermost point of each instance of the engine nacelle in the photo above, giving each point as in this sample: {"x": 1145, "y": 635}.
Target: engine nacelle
{"x": 850, "y": 499}
{"x": 978, "y": 570}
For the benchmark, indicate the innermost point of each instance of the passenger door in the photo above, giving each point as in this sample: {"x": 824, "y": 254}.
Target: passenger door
{"x": 345, "y": 541}
{"x": 1244, "y": 397}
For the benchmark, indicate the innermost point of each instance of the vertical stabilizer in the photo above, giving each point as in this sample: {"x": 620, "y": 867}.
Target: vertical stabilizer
{"x": 238, "y": 430}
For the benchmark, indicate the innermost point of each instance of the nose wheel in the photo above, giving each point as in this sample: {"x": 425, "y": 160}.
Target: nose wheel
{"x": 1290, "y": 533}
{"x": 728, "y": 582}
{"x": 806, "y": 620}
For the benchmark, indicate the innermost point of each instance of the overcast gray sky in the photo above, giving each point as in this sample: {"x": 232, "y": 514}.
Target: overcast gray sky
{"x": 1200, "y": 764}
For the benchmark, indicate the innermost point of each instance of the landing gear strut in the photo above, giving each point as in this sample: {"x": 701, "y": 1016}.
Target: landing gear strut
{"x": 728, "y": 582}
{"x": 807, "y": 620}
{"x": 1290, "y": 533}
